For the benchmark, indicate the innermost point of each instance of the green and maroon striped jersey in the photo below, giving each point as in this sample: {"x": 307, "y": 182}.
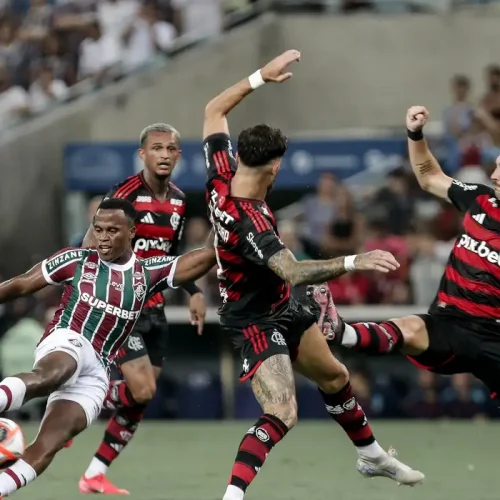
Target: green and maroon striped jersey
{"x": 102, "y": 301}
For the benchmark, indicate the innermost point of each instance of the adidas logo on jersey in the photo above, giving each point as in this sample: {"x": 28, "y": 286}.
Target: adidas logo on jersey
{"x": 479, "y": 218}
{"x": 480, "y": 248}
{"x": 148, "y": 219}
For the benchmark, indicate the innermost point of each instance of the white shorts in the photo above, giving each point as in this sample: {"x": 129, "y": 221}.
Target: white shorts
{"x": 89, "y": 384}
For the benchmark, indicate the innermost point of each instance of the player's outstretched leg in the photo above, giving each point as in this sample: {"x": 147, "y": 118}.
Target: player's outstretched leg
{"x": 317, "y": 363}
{"x": 63, "y": 420}
{"x": 274, "y": 387}
{"x": 129, "y": 399}
{"x": 407, "y": 335}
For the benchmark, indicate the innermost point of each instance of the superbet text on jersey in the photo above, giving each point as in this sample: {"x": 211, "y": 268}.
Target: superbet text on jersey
{"x": 160, "y": 223}
{"x": 246, "y": 237}
{"x": 103, "y": 301}
{"x": 470, "y": 287}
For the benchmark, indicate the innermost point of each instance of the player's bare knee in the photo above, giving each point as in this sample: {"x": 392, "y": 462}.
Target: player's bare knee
{"x": 414, "y": 333}
{"x": 335, "y": 381}
{"x": 143, "y": 394}
{"x": 286, "y": 411}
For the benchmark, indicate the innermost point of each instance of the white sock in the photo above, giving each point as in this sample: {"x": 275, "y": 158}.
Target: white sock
{"x": 234, "y": 493}
{"x": 95, "y": 468}
{"x": 350, "y": 337}
{"x": 371, "y": 451}
{"x": 15, "y": 477}
{"x": 12, "y": 392}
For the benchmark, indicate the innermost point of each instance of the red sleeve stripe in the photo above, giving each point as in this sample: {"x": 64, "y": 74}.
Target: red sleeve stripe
{"x": 226, "y": 161}
{"x": 258, "y": 220}
{"x": 127, "y": 188}
{"x": 222, "y": 166}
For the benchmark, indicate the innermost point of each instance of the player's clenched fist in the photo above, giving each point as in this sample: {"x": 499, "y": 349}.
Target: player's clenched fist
{"x": 377, "y": 260}
{"x": 416, "y": 118}
{"x": 276, "y": 70}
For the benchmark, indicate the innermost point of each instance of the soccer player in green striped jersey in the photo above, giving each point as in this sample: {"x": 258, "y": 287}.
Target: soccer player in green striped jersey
{"x": 105, "y": 290}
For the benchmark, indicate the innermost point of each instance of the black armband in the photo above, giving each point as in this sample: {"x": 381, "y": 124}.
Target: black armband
{"x": 415, "y": 136}
{"x": 191, "y": 288}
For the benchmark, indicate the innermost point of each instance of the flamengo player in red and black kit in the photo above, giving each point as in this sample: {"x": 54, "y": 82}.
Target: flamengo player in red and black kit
{"x": 460, "y": 333}
{"x": 105, "y": 290}
{"x": 161, "y": 210}
{"x": 271, "y": 331}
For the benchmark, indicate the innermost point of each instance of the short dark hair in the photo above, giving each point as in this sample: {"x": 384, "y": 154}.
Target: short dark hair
{"x": 461, "y": 80}
{"x": 261, "y": 144}
{"x": 120, "y": 204}
{"x": 158, "y": 127}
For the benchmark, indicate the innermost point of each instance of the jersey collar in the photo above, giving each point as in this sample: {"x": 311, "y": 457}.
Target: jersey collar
{"x": 121, "y": 267}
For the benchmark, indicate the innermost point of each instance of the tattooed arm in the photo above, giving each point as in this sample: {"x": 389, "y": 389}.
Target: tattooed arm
{"x": 425, "y": 166}
{"x": 311, "y": 272}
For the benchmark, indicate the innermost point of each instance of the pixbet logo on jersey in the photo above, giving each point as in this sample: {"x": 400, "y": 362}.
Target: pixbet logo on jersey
{"x": 480, "y": 248}
{"x": 147, "y": 244}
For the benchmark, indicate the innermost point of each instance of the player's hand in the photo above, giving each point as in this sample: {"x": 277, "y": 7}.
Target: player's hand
{"x": 276, "y": 70}
{"x": 377, "y": 260}
{"x": 416, "y": 118}
{"x": 197, "y": 311}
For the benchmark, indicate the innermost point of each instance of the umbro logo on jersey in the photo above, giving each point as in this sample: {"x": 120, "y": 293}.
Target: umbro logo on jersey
{"x": 148, "y": 219}
{"x": 143, "y": 199}
{"x": 479, "y": 218}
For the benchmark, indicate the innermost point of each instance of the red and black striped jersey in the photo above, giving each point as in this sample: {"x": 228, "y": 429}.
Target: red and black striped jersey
{"x": 160, "y": 223}
{"x": 246, "y": 237}
{"x": 470, "y": 286}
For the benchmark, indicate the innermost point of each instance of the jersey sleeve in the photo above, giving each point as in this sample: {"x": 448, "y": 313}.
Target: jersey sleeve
{"x": 161, "y": 271}
{"x": 219, "y": 158}
{"x": 60, "y": 268}
{"x": 257, "y": 240}
{"x": 462, "y": 194}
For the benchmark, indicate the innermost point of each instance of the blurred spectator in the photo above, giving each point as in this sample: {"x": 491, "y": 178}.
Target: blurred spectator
{"x": 289, "y": 236}
{"x": 198, "y": 18}
{"x": 457, "y": 120}
{"x": 100, "y": 56}
{"x": 423, "y": 401}
{"x": 116, "y": 16}
{"x": 14, "y": 100}
{"x": 45, "y": 91}
{"x": 394, "y": 204}
{"x": 318, "y": 212}
{"x": 464, "y": 398}
{"x": 37, "y": 22}
{"x": 491, "y": 99}
{"x": 145, "y": 37}
{"x": 11, "y": 53}
{"x": 426, "y": 269}
{"x": 344, "y": 235}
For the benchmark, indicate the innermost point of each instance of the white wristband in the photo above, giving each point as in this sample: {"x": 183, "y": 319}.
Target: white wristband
{"x": 256, "y": 80}
{"x": 349, "y": 264}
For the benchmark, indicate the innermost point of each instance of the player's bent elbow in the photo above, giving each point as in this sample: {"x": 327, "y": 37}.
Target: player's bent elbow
{"x": 144, "y": 394}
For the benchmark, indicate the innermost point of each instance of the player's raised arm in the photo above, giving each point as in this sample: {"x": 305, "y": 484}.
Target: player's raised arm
{"x": 425, "y": 167}
{"x": 218, "y": 108}
{"x": 193, "y": 265}
{"x": 24, "y": 284}
{"x": 310, "y": 272}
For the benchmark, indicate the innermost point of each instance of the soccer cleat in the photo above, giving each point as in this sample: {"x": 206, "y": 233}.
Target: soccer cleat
{"x": 321, "y": 304}
{"x": 389, "y": 466}
{"x": 99, "y": 484}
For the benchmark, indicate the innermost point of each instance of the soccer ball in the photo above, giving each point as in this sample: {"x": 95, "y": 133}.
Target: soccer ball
{"x": 12, "y": 442}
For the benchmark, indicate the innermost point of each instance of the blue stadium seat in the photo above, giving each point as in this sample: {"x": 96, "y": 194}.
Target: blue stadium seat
{"x": 200, "y": 397}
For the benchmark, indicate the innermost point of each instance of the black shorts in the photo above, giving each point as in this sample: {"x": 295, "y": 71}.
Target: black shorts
{"x": 149, "y": 338}
{"x": 459, "y": 346}
{"x": 278, "y": 333}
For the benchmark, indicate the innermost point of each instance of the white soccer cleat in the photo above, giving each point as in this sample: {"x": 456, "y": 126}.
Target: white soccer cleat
{"x": 389, "y": 466}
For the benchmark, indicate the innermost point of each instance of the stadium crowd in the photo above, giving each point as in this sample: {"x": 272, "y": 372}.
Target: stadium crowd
{"x": 54, "y": 50}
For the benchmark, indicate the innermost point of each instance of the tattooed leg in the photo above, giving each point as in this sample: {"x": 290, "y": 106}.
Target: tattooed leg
{"x": 274, "y": 387}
